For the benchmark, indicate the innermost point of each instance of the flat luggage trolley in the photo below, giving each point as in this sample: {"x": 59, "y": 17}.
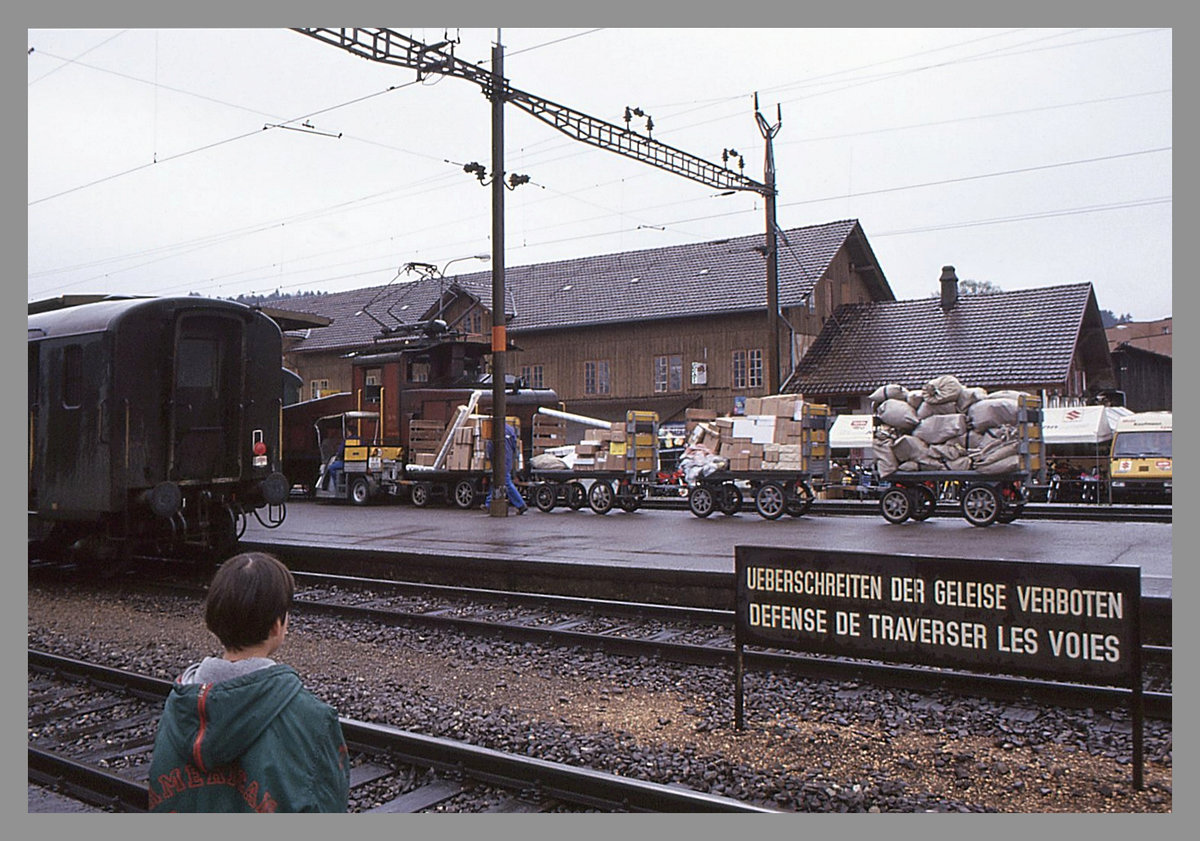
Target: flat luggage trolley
{"x": 773, "y": 493}
{"x": 983, "y": 496}
{"x": 615, "y": 466}
{"x": 451, "y": 463}
{"x": 773, "y": 459}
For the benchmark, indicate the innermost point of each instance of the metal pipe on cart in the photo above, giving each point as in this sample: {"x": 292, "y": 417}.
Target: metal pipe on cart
{"x": 568, "y": 416}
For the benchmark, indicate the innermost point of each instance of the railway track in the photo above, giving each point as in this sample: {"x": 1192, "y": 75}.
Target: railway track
{"x": 690, "y": 635}
{"x": 91, "y": 731}
{"x": 676, "y": 633}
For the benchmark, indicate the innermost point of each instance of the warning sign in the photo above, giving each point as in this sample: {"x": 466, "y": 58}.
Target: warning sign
{"x": 1061, "y": 621}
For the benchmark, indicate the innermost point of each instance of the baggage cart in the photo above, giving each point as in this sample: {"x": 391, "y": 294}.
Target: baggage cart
{"x": 982, "y": 498}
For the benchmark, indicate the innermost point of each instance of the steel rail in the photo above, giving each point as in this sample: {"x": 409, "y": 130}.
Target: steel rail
{"x": 86, "y": 783}
{"x": 583, "y": 786}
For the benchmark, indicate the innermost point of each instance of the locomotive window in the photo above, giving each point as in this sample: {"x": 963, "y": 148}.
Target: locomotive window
{"x": 197, "y": 366}
{"x": 72, "y": 376}
{"x": 373, "y": 382}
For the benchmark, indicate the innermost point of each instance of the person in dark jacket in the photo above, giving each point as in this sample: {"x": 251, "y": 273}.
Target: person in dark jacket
{"x": 240, "y": 733}
{"x": 512, "y": 445}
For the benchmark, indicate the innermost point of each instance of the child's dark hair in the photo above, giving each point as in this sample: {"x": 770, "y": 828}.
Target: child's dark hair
{"x": 248, "y": 593}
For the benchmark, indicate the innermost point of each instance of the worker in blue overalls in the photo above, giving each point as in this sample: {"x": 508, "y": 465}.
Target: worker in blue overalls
{"x": 511, "y": 447}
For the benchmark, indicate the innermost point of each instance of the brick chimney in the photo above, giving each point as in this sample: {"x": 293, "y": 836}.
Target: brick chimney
{"x": 949, "y": 288}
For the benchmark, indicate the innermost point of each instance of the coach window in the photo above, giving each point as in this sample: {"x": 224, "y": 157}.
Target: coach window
{"x": 72, "y": 377}
{"x": 197, "y": 367}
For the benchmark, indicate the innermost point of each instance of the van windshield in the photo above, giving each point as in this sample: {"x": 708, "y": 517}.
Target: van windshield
{"x": 1142, "y": 445}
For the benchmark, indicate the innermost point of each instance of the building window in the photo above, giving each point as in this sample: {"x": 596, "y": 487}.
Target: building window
{"x": 595, "y": 377}
{"x": 318, "y": 388}
{"x": 475, "y": 322}
{"x": 668, "y": 373}
{"x": 748, "y": 368}
{"x": 533, "y": 375}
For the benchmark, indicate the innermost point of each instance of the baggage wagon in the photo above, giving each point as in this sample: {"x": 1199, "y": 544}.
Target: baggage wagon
{"x": 983, "y": 496}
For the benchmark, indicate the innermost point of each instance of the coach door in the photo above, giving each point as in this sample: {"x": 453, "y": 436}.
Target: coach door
{"x": 209, "y": 360}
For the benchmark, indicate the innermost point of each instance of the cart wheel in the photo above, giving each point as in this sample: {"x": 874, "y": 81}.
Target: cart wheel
{"x": 544, "y": 497}
{"x": 702, "y": 501}
{"x": 421, "y": 492}
{"x": 731, "y": 498}
{"x": 981, "y": 505}
{"x": 924, "y": 502}
{"x": 769, "y": 500}
{"x": 576, "y": 496}
{"x": 800, "y": 505}
{"x": 895, "y": 505}
{"x": 360, "y": 491}
{"x": 601, "y": 497}
{"x": 464, "y": 493}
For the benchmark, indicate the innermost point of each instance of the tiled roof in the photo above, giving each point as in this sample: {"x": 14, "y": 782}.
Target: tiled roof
{"x": 721, "y": 276}
{"x": 985, "y": 340}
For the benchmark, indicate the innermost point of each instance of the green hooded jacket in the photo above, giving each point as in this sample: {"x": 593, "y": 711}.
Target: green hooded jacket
{"x": 256, "y": 742}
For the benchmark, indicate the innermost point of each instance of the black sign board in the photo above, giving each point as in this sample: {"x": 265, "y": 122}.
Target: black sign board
{"x": 1064, "y": 622}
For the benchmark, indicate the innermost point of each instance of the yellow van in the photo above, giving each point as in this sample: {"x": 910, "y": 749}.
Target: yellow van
{"x": 1140, "y": 470}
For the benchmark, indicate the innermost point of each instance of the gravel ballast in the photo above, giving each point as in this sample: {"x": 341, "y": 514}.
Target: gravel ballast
{"x": 808, "y": 745}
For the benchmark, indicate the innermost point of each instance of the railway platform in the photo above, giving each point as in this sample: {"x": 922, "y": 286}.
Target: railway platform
{"x": 676, "y": 540}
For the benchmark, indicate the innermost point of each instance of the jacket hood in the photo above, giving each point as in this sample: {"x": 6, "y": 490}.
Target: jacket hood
{"x": 214, "y": 723}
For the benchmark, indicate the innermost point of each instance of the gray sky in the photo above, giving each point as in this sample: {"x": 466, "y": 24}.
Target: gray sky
{"x": 1024, "y": 157}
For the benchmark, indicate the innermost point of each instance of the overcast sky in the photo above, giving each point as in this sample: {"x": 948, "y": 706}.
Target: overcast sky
{"x": 240, "y": 161}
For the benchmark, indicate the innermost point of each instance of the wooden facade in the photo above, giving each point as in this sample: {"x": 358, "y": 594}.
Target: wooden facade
{"x": 699, "y": 357}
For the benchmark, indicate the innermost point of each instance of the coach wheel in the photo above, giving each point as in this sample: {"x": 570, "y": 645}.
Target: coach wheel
{"x": 923, "y": 503}
{"x": 360, "y": 491}
{"x": 421, "y": 493}
{"x": 802, "y": 502}
{"x": 769, "y": 501}
{"x": 464, "y": 493}
{"x": 981, "y": 505}
{"x": 895, "y": 505}
{"x": 601, "y": 497}
{"x": 544, "y": 497}
{"x": 731, "y": 499}
{"x": 576, "y": 496}
{"x": 702, "y": 500}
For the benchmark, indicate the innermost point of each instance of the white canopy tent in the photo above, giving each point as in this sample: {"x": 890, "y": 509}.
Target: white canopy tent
{"x": 1079, "y": 424}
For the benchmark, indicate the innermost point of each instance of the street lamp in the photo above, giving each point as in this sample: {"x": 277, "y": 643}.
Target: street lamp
{"x": 484, "y": 257}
